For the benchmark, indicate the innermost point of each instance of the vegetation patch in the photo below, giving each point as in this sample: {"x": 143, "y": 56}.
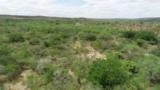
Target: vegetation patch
{"x": 79, "y": 54}
{"x": 109, "y": 73}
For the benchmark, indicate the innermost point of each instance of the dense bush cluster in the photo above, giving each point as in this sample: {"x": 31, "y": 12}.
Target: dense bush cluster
{"x": 149, "y": 36}
{"x": 111, "y": 72}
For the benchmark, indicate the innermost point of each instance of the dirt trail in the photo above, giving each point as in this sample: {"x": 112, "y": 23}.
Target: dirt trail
{"x": 19, "y": 84}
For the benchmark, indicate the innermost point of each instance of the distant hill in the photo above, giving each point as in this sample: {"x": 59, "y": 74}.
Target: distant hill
{"x": 148, "y": 19}
{"x": 151, "y": 19}
{"x": 33, "y": 17}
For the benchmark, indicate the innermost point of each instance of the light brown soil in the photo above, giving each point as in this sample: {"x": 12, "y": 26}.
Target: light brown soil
{"x": 90, "y": 53}
{"x": 20, "y": 83}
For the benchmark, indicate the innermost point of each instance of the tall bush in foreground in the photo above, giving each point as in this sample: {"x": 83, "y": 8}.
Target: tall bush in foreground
{"x": 8, "y": 65}
{"x": 108, "y": 73}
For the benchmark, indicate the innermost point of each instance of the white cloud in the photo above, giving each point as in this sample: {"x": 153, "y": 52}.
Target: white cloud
{"x": 91, "y": 8}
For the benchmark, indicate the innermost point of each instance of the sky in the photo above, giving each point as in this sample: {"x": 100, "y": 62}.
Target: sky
{"x": 82, "y": 8}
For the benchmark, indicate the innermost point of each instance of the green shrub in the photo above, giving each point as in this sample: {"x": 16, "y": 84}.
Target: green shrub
{"x": 1, "y": 87}
{"x": 16, "y": 37}
{"x": 130, "y": 52}
{"x": 11, "y": 67}
{"x": 149, "y": 36}
{"x": 45, "y": 68}
{"x": 105, "y": 37}
{"x": 5, "y": 56}
{"x": 106, "y": 45}
{"x": 90, "y": 37}
{"x": 108, "y": 73}
{"x": 12, "y": 70}
{"x": 129, "y": 34}
{"x": 156, "y": 52}
{"x": 140, "y": 42}
{"x": 48, "y": 73}
{"x": 132, "y": 67}
{"x": 63, "y": 81}
{"x": 34, "y": 41}
{"x": 46, "y": 43}
{"x": 38, "y": 51}
{"x": 55, "y": 39}
{"x": 155, "y": 78}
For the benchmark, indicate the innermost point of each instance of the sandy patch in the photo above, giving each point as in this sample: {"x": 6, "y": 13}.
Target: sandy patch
{"x": 19, "y": 84}
{"x": 88, "y": 51}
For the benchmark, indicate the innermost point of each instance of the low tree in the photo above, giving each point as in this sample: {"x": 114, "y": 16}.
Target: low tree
{"x": 108, "y": 73}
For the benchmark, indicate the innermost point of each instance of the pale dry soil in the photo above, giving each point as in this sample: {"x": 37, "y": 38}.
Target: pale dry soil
{"x": 88, "y": 51}
{"x": 20, "y": 83}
